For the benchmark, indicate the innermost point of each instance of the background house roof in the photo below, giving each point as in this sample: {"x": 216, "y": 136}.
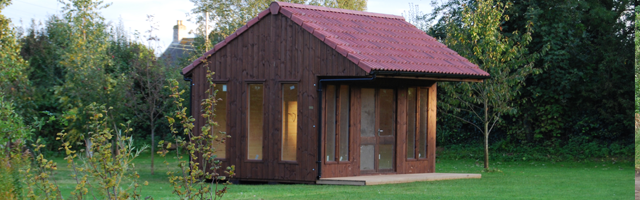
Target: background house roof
{"x": 373, "y": 41}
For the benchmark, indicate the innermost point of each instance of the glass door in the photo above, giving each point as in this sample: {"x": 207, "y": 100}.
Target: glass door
{"x": 377, "y": 130}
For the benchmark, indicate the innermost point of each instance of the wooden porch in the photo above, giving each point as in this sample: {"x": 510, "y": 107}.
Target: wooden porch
{"x": 394, "y": 178}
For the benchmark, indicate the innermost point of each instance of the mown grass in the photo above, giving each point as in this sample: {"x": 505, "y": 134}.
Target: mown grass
{"x": 602, "y": 179}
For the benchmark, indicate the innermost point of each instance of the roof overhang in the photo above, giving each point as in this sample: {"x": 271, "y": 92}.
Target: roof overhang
{"x": 430, "y": 76}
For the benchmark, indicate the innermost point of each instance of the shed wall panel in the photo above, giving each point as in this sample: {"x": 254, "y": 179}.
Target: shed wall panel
{"x": 273, "y": 51}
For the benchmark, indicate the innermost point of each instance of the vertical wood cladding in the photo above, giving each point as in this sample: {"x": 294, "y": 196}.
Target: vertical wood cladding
{"x": 277, "y": 51}
{"x": 272, "y": 52}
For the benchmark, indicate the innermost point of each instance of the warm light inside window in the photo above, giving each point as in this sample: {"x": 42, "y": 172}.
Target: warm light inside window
{"x": 255, "y": 122}
{"x": 289, "y": 121}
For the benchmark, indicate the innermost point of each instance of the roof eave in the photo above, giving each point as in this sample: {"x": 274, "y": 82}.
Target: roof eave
{"x": 431, "y": 76}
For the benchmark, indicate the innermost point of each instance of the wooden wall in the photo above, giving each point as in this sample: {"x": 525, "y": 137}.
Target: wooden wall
{"x": 276, "y": 51}
{"x": 272, "y": 52}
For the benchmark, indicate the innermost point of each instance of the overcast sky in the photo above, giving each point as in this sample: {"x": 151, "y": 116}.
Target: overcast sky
{"x": 166, "y": 12}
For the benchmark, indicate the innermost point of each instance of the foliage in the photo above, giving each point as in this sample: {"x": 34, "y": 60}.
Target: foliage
{"x": 14, "y": 93}
{"x": 13, "y": 68}
{"x": 101, "y": 174}
{"x": 479, "y": 39}
{"x": 87, "y": 67}
{"x": 147, "y": 94}
{"x": 637, "y": 70}
{"x": 584, "y": 89}
{"x": 637, "y": 146}
{"x": 637, "y": 99}
{"x": 13, "y": 135}
{"x": 189, "y": 181}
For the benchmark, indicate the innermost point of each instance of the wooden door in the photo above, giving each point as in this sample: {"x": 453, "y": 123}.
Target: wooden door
{"x": 377, "y": 130}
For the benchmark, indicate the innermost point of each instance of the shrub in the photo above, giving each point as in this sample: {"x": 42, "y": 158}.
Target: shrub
{"x": 190, "y": 181}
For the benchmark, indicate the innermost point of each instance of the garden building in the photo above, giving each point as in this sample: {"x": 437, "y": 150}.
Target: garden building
{"x": 312, "y": 92}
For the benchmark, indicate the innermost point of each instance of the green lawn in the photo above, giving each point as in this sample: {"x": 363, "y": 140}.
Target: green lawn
{"x": 518, "y": 180}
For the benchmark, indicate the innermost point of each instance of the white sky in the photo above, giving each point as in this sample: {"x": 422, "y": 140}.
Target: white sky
{"x": 166, "y": 12}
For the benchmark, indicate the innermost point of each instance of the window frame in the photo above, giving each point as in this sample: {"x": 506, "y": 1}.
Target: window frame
{"x": 338, "y": 108}
{"x": 246, "y": 110}
{"x": 416, "y": 147}
{"x": 226, "y": 103}
{"x": 281, "y": 83}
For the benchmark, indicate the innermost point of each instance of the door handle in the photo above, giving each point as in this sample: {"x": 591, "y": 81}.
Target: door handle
{"x": 380, "y": 130}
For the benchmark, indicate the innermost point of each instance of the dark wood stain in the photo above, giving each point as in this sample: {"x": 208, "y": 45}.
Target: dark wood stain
{"x": 274, "y": 51}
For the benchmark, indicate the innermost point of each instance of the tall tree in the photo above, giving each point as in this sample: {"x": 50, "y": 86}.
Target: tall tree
{"x": 637, "y": 40}
{"x": 478, "y": 38}
{"x": 585, "y": 93}
{"x": 13, "y": 80}
{"x": 147, "y": 94}
{"x": 89, "y": 76}
{"x": 13, "y": 69}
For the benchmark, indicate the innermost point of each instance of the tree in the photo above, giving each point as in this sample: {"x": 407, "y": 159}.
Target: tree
{"x": 13, "y": 69}
{"x": 585, "y": 93}
{"x": 13, "y": 80}
{"x": 88, "y": 76}
{"x": 637, "y": 40}
{"x": 148, "y": 94}
{"x": 478, "y": 37}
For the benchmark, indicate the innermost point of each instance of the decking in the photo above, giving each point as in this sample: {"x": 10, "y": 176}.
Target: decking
{"x": 394, "y": 178}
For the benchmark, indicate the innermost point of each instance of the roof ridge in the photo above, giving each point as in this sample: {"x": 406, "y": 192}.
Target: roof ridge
{"x": 337, "y": 10}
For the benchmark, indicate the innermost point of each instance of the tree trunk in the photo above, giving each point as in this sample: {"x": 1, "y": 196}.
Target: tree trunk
{"x": 87, "y": 142}
{"x": 153, "y": 142}
{"x": 486, "y": 135}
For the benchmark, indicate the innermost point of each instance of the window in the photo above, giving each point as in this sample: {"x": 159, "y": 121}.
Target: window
{"x": 417, "y": 107}
{"x": 411, "y": 123}
{"x": 422, "y": 137}
{"x": 289, "y": 121}
{"x": 344, "y": 123}
{"x": 337, "y": 122}
{"x": 220, "y": 117}
{"x": 255, "y": 121}
{"x": 330, "y": 147}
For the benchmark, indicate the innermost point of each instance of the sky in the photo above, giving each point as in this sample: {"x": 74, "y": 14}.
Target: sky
{"x": 133, "y": 13}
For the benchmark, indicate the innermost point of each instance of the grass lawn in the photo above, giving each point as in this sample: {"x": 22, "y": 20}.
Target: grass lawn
{"x": 518, "y": 180}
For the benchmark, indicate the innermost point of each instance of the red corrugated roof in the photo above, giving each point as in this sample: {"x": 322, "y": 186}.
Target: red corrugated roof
{"x": 373, "y": 41}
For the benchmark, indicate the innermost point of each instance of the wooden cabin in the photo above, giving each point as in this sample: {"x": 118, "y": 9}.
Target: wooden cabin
{"x": 310, "y": 92}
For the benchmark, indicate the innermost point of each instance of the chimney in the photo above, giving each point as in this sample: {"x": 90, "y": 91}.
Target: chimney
{"x": 179, "y": 32}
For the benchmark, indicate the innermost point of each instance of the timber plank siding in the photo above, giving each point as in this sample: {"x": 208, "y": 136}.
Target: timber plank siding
{"x": 276, "y": 49}
{"x": 273, "y": 51}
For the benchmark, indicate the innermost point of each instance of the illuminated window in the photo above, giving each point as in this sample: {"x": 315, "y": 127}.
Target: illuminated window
{"x": 289, "y": 121}
{"x": 255, "y": 122}
{"x": 221, "y": 118}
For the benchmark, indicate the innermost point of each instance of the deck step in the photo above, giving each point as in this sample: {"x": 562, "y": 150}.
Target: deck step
{"x": 394, "y": 178}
